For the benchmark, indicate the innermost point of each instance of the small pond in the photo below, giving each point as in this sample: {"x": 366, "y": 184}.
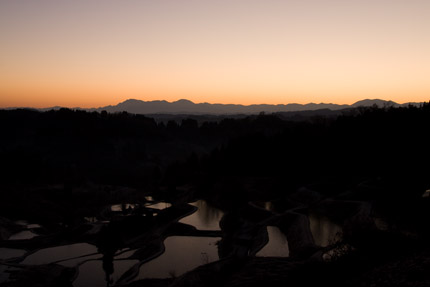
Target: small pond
{"x": 277, "y": 245}
{"x": 205, "y": 218}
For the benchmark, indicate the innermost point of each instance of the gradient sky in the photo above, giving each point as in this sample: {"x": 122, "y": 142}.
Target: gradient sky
{"x": 92, "y": 53}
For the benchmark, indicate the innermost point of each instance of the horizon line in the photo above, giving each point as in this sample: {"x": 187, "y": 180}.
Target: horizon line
{"x": 197, "y": 103}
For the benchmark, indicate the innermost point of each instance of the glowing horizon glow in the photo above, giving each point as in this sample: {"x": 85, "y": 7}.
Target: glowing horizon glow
{"x": 97, "y": 53}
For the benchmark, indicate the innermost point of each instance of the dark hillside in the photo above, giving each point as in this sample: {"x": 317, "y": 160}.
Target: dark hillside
{"x": 123, "y": 181}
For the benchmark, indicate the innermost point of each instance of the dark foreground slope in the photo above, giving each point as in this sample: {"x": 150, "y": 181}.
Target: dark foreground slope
{"x": 366, "y": 170}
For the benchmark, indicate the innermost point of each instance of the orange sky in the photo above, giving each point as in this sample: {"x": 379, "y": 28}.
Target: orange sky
{"x": 92, "y": 53}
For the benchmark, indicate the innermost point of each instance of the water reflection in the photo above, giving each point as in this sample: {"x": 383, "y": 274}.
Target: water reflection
{"x": 160, "y": 205}
{"x": 26, "y": 234}
{"x": 205, "y": 218}
{"x": 54, "y": 254}
{"x": 324, "y": 231}
{"x": 277, "y": 245}
{"x": 129, "y": 207}
{"x": 28, "y": 225}
{"x": 182, "y": 254}
{"x": 123, "y": 207}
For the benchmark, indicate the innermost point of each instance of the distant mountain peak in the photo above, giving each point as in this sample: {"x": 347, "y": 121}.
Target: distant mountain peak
{"x": 377, "y": 102}
{"x": 183, "y": 101}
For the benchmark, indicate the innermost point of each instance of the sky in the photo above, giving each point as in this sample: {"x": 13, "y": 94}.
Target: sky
{"x": 93, "y": 53}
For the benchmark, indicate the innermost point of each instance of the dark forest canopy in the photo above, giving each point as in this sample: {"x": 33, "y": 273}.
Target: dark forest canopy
{"x": 126, "y": 149}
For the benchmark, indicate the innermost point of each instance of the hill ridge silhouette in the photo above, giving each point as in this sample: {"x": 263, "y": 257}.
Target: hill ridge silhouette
{"x": 185, "y": 106}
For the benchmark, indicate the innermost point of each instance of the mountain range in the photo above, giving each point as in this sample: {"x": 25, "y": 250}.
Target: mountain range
{"x": 188, "y": 107}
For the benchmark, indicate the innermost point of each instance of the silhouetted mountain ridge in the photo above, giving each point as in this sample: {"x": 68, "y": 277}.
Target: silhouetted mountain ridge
{"x": 184, "y": 106}
{"x": 187, "y": 107}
